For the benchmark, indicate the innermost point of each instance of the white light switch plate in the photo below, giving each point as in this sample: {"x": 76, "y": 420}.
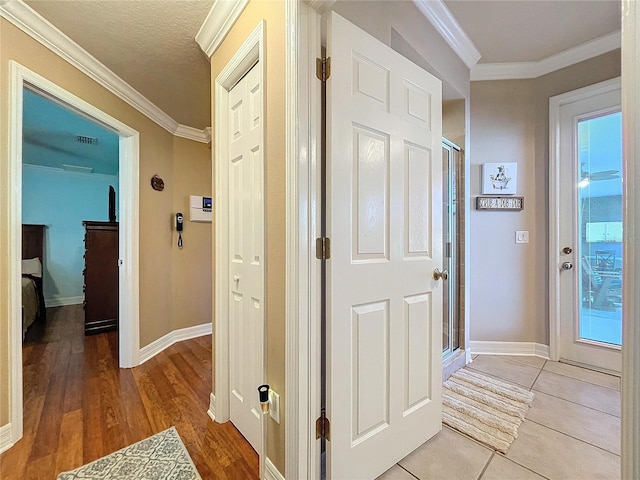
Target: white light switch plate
{"x": 522, "y": 236}
{"x": 274, "y": 407}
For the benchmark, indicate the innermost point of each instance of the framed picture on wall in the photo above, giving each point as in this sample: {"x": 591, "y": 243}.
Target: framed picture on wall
{"x": 499, "y": 178}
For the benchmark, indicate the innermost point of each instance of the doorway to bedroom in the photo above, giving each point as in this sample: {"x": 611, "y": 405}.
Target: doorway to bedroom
{"x": 70, "y": 170}
{"x": 125, "y": 352}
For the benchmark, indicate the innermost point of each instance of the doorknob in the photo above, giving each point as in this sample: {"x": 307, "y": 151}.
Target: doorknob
{"x": 567, "y": 266}
{"x": 437, "y": 274}
{"x": 567, "y": 250}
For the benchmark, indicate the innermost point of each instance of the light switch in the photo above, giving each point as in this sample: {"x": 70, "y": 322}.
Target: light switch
{"x": 274, "y": 407}
{"x": 522, "y": 236}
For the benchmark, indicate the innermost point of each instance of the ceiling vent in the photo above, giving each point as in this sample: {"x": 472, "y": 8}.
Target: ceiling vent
{"x": 86, "y": 140}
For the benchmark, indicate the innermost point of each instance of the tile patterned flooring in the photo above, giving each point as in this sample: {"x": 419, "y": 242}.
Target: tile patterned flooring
{"x": 571, "y": 432}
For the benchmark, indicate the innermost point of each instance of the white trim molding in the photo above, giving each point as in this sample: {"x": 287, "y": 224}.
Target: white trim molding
{"x": 630, "y": 394}
{"x": 191, "y": 133}
{"x": 448, "y": 27}
{"x": 270, "y": 471}
{"x": 302, "y": 353}
{"x": 221, "y": 18}
{"x": 21, "y": 77}
{"x": 62, "y": 301}
{"x": 510, "y": 348}
{"x": 6, "y": 441}
{"x": 524, "y": 70}
{"x": 40, "y": 29}
{"x": 212, "y": 407}
{"x": 321, "y": 6}
{"x": 149, "y": 351}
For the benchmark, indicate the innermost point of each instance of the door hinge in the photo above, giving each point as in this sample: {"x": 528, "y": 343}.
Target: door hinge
{"x": 323, "y": 248}
{"x": 323, "y": 68}
{"x": 323, "y": 427}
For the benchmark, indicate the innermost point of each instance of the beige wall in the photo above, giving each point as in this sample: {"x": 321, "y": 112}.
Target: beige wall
{"x": 510, "y": 122}
{"x": 453, "y": 121}
{"x": 161, "y": 266}
{"x": 273, "y": 15}
{"x": 192, "y": 294}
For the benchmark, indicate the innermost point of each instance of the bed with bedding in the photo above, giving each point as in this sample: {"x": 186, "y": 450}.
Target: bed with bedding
{"x": 33, "y": 307}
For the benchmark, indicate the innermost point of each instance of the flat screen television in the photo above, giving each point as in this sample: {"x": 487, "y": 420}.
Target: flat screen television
{"x": 112, "y": 204}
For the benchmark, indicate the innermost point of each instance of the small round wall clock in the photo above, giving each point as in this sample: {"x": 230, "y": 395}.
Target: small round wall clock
{"x": 157, "y": 183}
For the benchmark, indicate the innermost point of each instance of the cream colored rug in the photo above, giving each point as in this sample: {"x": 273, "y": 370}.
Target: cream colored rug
{"x": 162, "y": 456}
{"x": 484, "y": 408}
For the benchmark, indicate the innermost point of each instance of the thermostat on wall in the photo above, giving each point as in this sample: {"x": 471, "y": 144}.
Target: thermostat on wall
{"x": 200, "y": 210}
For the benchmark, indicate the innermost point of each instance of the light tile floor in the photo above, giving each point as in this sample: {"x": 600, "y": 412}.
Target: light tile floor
{"x": 571, "y": 432}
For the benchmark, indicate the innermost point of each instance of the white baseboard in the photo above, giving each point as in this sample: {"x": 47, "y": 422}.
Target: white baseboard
{"x": 510, "y": 348}
{"x": 154, "y": 348}
{"x": 62, "y": 301}
{"x": 212, "y": 407}
{"x": 6, "y": 442}
{"x": 270, "y": 471}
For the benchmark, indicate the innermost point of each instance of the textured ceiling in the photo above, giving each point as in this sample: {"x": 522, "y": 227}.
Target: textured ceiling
{"x": 148, "y": 43}
{"x": 531, "y": 30}
{"x": 50, "y": 138}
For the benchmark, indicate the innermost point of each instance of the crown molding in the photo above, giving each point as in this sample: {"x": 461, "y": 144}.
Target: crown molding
{"x": 321, "y": 6}
{"x": 41, "y": 30}
{"x": 571, "y": 56}
{"x": 192, "y": 133}
{"x": 448, "y": 27}
{"x": 216, "y": 26}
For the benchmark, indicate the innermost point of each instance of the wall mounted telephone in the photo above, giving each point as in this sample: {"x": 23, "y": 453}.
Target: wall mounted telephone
{"x": 179, "y": 226}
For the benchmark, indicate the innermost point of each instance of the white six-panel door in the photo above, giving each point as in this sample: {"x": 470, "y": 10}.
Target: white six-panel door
{"x": 246, "y": 255}
{"x": 384, "y": 170}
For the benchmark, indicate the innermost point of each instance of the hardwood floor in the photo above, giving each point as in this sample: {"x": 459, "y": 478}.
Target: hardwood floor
{"x": 79, "y": 406}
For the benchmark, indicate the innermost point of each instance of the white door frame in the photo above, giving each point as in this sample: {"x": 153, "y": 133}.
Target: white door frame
{"x": 303, "y": 190}
{"x": 128, "y": 188}
{"x": 631, "y": 276}
{"x": 555, "y": 104}
{"x": 250, "y": 53}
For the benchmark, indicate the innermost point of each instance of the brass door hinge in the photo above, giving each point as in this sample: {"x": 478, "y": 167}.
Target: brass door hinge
{"x": 323, "y": 248}
{"x": 323, "y": 427}
{"x": 323, "y": 68}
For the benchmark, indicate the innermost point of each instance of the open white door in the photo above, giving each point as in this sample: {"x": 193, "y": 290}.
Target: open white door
{"x": 384, "y": 326}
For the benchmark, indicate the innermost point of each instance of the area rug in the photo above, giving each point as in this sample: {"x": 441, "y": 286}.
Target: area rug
{"x": 162, "y": 456}
{"x": 484, "y": 408}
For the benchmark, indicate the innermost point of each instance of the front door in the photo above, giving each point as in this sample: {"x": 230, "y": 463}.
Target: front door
{"x": 384, "y": 197}
{"x": 246, "y": 256}
{"x": 591, "y": 230}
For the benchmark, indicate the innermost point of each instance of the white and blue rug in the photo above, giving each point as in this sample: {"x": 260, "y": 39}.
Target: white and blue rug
{"x": 162, "y": 456}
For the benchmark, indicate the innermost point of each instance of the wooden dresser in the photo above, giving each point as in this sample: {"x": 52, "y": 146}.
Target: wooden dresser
{"x": 100, "y": 277}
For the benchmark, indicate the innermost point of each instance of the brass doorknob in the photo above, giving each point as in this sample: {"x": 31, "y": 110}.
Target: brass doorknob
{"x": 437, "y": 274}
{"x": 567, "y": 250}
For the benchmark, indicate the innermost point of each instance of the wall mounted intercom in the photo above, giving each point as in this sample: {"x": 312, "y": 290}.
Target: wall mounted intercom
{"x": 201, "y": 207}
{"x": 179, "y": 227}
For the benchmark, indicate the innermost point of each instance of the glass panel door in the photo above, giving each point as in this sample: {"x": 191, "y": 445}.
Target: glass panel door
{"x": 451, "y": 158}
{"x": 589, "y": 226}
{"x": 600, "y": 231}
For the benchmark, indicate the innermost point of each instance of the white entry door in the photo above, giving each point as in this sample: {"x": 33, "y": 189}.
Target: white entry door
{"x": 246, "y": 255}
{"x": 384, "y": 181}
{"x": 589, "y": 254}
